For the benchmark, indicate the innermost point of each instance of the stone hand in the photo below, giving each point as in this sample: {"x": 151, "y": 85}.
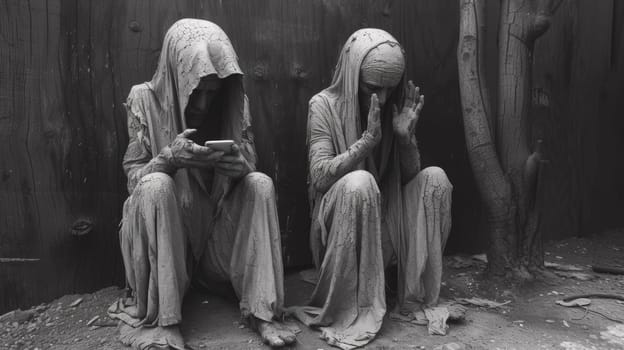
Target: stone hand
{"x": 373, "y": 126}
{"x": 233, "y": 164}
{"x": 184, "y": 153}
{"x": 404, "y": 123}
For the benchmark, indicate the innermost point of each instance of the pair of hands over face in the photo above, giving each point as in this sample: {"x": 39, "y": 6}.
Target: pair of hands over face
{"x": 403, "y": 122}
{"x": 187, "y": 154}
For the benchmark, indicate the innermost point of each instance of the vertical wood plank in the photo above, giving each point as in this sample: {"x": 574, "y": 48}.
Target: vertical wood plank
{"x": 572, "y": 64}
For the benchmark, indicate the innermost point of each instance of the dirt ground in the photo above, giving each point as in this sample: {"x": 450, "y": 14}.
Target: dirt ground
{"x": 531, "y": 319}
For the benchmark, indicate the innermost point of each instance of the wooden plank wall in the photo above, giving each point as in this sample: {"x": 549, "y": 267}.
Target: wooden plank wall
{"x": 578, "y": 108}
{"x": 63, "y": 137}
{"x": 66, "y": 67}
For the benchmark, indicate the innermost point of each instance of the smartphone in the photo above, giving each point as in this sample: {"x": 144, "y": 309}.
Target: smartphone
{"x": 220, "y": 145}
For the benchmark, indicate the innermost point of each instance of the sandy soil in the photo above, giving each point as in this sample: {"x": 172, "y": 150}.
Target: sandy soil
{"x": 531, "y": 320}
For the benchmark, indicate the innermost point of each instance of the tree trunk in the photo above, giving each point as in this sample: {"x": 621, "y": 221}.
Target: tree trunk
{"x": 491, "y": 182}
{"x": 521, "y": 23}
{"x": 507, "y": 173}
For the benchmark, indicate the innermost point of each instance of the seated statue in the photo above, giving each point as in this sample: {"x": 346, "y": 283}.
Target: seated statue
{"x": 195, "y": 212}
{"x": 373, "y": 206}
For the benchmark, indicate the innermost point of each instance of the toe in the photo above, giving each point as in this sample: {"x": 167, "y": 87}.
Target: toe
{"x": 288, "y": 337}
{"x": 274, "y": 340}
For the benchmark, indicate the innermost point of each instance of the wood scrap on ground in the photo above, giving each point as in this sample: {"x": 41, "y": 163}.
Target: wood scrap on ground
{"x": 91, "y": 321}
{"x": 481, "y": 302}
{"x": 562, "y": 267}
{"x": 608, "y": 269}
{"x": 570, "y": 271}
{"x": 583, "y": 301}
{"x": 459, "y": 262}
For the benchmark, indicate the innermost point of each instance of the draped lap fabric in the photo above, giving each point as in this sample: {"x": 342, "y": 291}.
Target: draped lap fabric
{"x": 193, "y": 223}
{"x": 368, "y": 216}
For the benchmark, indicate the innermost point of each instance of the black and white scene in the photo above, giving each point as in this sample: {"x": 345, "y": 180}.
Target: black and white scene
{"x": 311, "y": 174}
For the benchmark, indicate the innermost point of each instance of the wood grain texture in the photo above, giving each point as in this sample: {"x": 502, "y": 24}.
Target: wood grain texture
{"x": 62, "y": 147}
{"x": 574, "y": 111}
{"x": 67, "y": 67}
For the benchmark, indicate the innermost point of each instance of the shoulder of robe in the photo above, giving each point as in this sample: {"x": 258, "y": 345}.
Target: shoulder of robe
{"x": 139, "y": 100}
{"x": 318, "y": 103}
{"x": 138, "y": 93}
{"x": 318, "y": 98}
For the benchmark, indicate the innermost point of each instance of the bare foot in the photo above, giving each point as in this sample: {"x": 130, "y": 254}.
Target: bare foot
{"x": 272, "y": 333}
{"x": 419, "y": 318}
{"x": 410, "y": 312}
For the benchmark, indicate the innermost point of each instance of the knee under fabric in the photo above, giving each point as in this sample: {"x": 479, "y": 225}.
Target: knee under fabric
{"x": 437, "y": 175}
{"x": 360, "y": 180}
{"x": 259, "y": 183}
{"x": 157, "y": 182}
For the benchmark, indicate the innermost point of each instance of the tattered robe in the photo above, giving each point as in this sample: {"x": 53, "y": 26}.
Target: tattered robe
{"x": 370, "y": 216}
{"x": 193, "y": 223}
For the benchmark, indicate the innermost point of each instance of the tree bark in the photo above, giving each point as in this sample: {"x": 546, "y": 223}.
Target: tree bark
{"x": 491, "y": 182}
{"x": 507, "y": 173}
{"x": 521, "y": 23}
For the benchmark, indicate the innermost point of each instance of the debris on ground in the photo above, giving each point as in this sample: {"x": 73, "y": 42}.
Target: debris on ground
{"x": 437, "y": 317}
{"x": 76, "y": 302}
{"x": 480, "y": 257}
{"x": 568, "y": 345}
{"x": 570, "y": 271}
{"x": 481, "y": 302}
{"x": 597, "y": 296}
{"x": 92, "y": 321}
{"x": 451, "y": 346}
{"x": 614, "y": 270}
{"x": 519, "y": 318}
{"x": 583, "y": 301}
{"x": 461, "y": 262}
{"x": 563, "y": 267}
{"x": 614, "y": 334}
{"x": 581, "y": 276}
{"x": 18, "y": 316}
{"x": 456, "y": 311}
{"x": 574, "y": 302}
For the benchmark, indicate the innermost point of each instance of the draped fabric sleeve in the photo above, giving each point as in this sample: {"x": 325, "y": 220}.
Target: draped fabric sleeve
{"x": 326, "y": 166}
{"x": 247, "y": 139}
{"x": 409, "y": 157}
{"x": 138, "y": 161}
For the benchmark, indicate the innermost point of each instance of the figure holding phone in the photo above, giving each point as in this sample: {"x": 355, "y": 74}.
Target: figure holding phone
{"x": 225, "y": 159}
{"x": 224, "y": 156}
{"x": 196, "y": 211}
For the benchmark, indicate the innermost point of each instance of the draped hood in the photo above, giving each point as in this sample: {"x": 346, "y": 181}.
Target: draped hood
{"x": 193, "y": 49}
{"x": 342, "y": 94}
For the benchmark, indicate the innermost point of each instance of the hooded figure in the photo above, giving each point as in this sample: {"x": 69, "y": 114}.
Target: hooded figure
{"x": 194, "y": 212}
{"x": 372, "y": 205}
